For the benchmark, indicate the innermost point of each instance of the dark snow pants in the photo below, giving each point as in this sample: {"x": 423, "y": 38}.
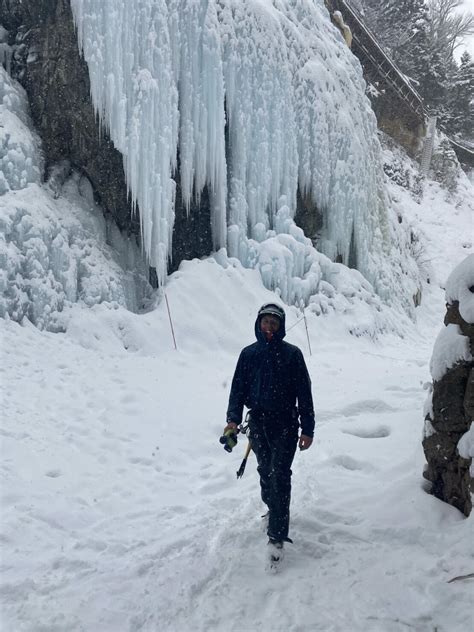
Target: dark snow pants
{"x": 274, "y": 439}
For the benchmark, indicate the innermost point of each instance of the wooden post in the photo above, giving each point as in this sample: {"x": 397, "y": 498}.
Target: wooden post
{"x": 307, "y": 333}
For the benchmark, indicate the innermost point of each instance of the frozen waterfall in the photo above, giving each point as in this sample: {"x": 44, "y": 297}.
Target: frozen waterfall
{"x": 255, "y": 98}
{"x": 56, "y": 247}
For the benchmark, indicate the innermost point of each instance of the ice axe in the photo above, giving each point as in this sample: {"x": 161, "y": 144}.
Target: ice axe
{"x": 241, "y": 470}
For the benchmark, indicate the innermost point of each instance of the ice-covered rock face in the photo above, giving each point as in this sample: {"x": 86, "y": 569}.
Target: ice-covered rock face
{"x": 55, "y": 244}
{"x": 19, "y": 156}
{"x": 258, "y": 98}
{"x": 53, "y": 253}
{"x": 460, "y": 287}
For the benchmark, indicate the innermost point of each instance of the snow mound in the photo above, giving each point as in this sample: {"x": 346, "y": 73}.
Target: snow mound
{"x": 54, "y": 253}
{"x": 450, "y": 348}
{"x": 460, "y": 287}
{"x": 290, "y": 265}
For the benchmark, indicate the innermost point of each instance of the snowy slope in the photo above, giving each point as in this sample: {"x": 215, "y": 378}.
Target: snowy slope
{"x": 438, "y": 224}
{"x": 121, "y": 511}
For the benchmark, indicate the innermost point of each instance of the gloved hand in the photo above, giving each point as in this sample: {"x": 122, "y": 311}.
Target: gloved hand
{"x": 231, "y": 426}
{"x": 229, "y": 437}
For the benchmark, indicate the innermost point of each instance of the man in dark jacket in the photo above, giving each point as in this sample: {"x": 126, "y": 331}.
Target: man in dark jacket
{"x": 270, "y": 378}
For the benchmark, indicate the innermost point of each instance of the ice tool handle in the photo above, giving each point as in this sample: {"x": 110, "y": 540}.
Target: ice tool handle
{"x": 229, "y": 439}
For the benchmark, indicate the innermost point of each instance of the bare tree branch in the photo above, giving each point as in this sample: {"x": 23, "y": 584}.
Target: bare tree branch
{"x": 448, "y": 25}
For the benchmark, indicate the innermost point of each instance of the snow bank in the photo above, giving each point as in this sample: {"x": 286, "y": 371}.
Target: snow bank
{"x": 258, "y": 98}
{"x": 450, "y": 347}
{"x": 460, "y": 287}
{"x": 433, "y": 226}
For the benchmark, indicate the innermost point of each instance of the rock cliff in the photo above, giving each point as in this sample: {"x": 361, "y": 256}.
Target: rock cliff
{"x": 46, "y": 61}
{"x": 451, "y": 410}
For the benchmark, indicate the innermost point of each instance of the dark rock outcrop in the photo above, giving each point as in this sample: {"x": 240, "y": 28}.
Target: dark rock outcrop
{"x": 451, "y": 417}
{"x": 192, "y": 235}
{"x": 48, "y": 64}
{"x": 308, "y": 216}
{"x": 396, "y": 119}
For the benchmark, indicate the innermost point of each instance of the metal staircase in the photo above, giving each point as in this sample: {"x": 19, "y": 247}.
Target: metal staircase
{"x": 368, "y": 50}
{"x": 376, "y": 63}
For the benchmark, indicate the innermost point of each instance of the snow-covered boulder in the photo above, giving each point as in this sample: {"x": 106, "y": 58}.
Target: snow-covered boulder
{"x": 448, "y": 442}
{"x": 460, "y": 293}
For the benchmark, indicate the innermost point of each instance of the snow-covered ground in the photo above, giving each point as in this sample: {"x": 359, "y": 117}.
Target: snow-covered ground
{"x": 122, "y": 512}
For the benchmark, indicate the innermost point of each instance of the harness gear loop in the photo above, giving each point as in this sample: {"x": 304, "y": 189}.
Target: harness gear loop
{"x": 244, "y": 426}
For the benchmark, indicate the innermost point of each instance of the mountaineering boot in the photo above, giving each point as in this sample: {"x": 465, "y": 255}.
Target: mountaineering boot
{"x": 275, "y": 553}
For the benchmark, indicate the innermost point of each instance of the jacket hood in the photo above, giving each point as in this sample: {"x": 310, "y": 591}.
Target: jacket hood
{"x": 279, "y": 335}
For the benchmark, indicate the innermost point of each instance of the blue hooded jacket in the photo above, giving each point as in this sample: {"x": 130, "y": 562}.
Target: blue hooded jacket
{"x": 272, "y": 377}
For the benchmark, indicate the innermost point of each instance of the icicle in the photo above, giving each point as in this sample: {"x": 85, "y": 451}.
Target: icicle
{"x": 166, "y": 73}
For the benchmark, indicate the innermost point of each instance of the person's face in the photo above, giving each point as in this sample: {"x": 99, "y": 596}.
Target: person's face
{"x": 269, "y": 325}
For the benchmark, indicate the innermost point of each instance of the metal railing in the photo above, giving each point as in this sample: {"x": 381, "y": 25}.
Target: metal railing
{"x": 366, "y": 46}
{"x": 373, "y": 57}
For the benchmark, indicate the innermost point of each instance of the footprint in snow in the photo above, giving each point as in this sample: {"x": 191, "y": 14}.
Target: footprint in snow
{"x": 331, "y": 518}
{"x": 379, "y": 432}
{"x": 349, "y": 463}
{"x": 53, "y": 473}
{"x": 212, "y": 487}
{"x": 404, "y": 392}
{"x": 129, "y": 398}
{"x": 14, "y": 435}
{"x": 366, "y": 406}
{"x": 93, "y": 545}
{"x": 139, "y": 460}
